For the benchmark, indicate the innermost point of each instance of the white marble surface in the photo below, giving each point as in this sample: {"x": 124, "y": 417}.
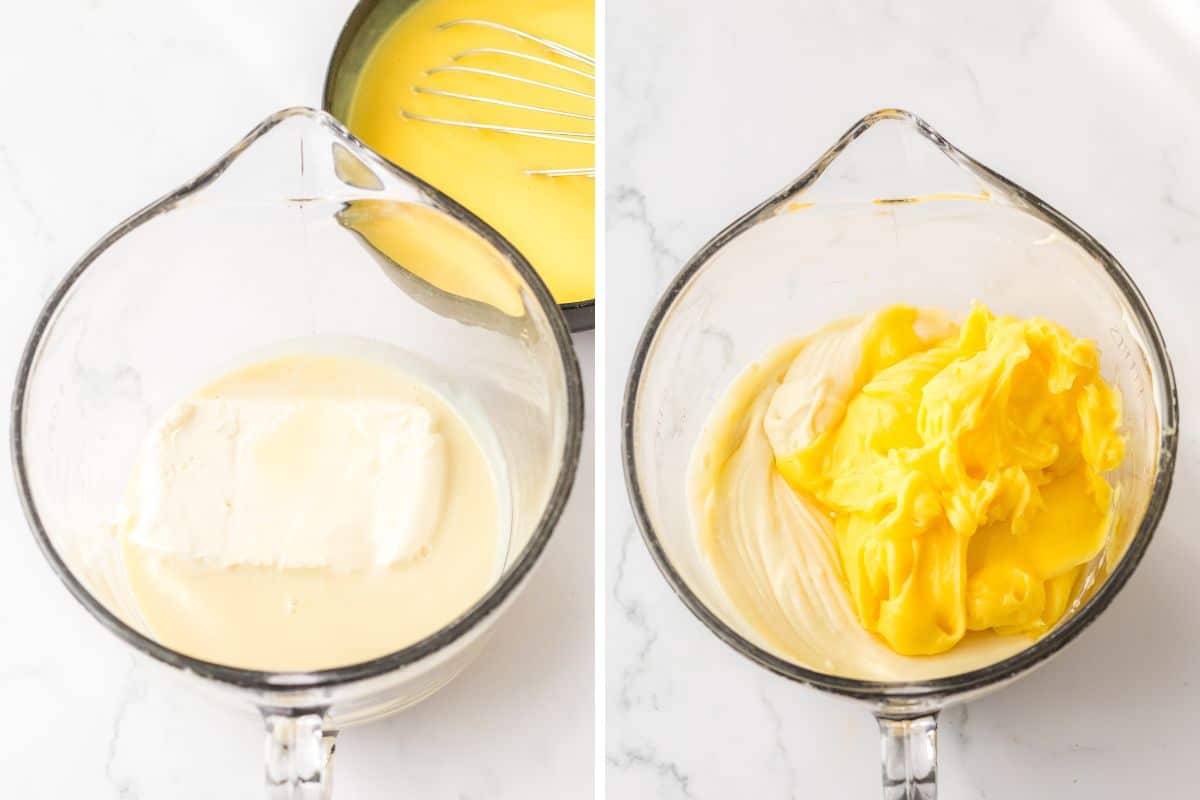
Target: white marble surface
{"x": 108, "y": 104}
{"x": 1091, "y": 105}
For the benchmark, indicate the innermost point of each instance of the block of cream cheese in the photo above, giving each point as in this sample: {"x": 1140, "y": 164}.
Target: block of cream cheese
{"x": 291, "y": 482}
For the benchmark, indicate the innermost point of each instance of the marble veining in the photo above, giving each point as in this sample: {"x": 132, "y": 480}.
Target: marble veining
{"x": 634, "y": 614}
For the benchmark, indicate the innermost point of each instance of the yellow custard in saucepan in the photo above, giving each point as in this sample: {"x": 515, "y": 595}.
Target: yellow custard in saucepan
{"x": 549, "y": 219}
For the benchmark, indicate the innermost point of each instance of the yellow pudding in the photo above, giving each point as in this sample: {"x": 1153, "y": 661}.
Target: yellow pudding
{"x": 549, "y": 219}
{"x": 440, "y": 250}
{"x": 899, "y": 497}
{"x": 306, "y": 512}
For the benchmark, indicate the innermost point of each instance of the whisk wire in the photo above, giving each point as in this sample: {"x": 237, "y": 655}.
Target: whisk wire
{"x": 553, "y": 46}
{"x": 507, "y": 103}
{"x": 536, "y": 133}
{"x": 491, "y": 73}
{"x": 561, "y": 50}
{"x": 524, "y": 56}
{"x": 587, "y": 172}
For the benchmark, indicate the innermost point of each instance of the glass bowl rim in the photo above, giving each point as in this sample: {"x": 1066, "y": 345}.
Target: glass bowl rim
{"x": 1047, "y": 645}
{"x": 497, "y": 594}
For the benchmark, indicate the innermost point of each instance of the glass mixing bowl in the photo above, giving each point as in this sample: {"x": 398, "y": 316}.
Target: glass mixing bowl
{"x": 300, "y": 232}
{"x": 891, "y": 213}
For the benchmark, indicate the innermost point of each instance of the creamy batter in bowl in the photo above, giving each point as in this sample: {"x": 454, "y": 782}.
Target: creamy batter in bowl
{"x": 271, "y": 255}
{"x": 892, "y": 214}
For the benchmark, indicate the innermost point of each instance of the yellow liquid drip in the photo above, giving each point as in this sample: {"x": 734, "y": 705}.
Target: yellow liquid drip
{"x": 549, "y": 219}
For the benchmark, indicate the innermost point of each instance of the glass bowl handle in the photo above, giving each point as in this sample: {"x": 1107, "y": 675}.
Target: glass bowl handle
{"x": 909, "y": 757}
{"x": 299, "y": 756}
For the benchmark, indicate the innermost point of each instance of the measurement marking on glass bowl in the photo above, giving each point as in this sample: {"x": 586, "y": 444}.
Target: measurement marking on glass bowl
{"x": 1127, "y": 355}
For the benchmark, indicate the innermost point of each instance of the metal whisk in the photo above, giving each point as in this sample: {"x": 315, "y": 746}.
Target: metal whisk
{"x": 581, "y": 64}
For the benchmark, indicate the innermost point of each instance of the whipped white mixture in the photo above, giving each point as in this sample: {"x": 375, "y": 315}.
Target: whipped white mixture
{"x": 291, "y": 482}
